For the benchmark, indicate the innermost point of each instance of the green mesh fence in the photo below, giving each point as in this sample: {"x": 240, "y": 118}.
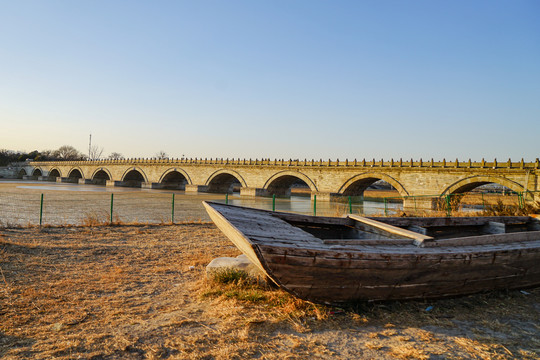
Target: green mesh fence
{"x": 79, "y": 207}
{"x": 19, "y": 209}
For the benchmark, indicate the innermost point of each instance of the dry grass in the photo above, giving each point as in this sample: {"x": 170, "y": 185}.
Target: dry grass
{"x": 502, "y": 209}
{"x": 130, "y": 292}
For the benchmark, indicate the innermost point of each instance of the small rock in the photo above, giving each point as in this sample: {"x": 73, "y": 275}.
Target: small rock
{"x": 191, "y": 267}
{"x": 57, "y": 327}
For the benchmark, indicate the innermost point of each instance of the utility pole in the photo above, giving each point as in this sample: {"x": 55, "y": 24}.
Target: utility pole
{"x": 90, "y": 147}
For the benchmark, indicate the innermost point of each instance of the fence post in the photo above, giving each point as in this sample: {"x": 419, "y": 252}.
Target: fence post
{"x": 41, "y": 210}
{"x": 350, "y": 205}
{"x": 314, "y": 205}
{"x": 448, "y": 206}
{"x": 227, "y": 198}
{"x": 172, "y": 210}
{"x": 112, "y": 201}
{"x": 483, "y": 202}
{"x": 273, "y": 202}
{"x": 520, "y": 200}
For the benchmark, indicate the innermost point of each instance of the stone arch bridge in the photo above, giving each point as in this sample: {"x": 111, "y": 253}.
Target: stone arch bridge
{"x": 326, "y": 179}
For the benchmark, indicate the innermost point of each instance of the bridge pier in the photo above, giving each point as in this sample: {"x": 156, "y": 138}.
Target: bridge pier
{"x": 325, "y": 196}
{"x": 29, "y": 177}
{"x": 85, "y": 181}
{"x": 196, "y": 188}
{"x": 247, "y": 191}
{"x": 46, "y": 178}
{"x": 114, "y": 183}
{"x": 67, "y": 180}
{"x": 151, "y": 185}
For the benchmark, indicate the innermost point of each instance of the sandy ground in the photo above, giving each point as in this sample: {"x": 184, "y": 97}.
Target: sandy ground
{"x": 139, "y": 292}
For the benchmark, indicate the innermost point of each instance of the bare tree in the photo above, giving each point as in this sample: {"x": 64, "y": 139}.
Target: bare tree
{"x": 116, "y": 156}
{"x": 67, "y": 152}
{"x": 162, "y": 155}
{"x": 95, "y": 152}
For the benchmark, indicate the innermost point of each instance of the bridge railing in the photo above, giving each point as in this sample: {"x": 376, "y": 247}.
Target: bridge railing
{"x": 370, "y": 163}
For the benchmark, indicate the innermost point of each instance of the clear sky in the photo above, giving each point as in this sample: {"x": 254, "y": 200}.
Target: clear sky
{"x": 273, "y": 79}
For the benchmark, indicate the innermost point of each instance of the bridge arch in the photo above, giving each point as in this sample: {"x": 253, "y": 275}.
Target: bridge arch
{"x": 76, "y": 173}
{"x": 55, "y": 172}
{"x": 37, "y": 172}
{"x": 280, "y": 183}
{"x": 472, "y": 182}
{"x": 358, "y": 183}
{"x": 21, "y": 174}
{"x": 175, "y": 178}
{"x": 100, "y": 176}
{"x": 222, "y": 181}
{"x": 134, "y": 177}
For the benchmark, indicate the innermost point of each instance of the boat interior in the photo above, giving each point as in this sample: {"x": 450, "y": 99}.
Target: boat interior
{"x": 421, "y": 230}
{"x": 353, "y": 230}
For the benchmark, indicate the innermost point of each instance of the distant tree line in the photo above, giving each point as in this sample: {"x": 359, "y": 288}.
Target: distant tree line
{"x": 63, "y": 153}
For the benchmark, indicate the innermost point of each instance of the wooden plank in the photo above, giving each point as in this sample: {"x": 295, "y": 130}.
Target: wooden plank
{"x": 281, "y": 234}
{"x": 350, "y": 242}
{"x": 254, "y": 213}
{"x": 506, "y": 259}
{"x": 407, "y": 253}
{"x": 418, "y": 238}
{"x": 308, "y": 219}
{"x": 418, "y": 229}
{"x": 487, "y": 239}
{"x": 451, "y": 221}
{"x": 382, "y": 233}
{"x": 339, "y": 295}
{"x": 328, "y": 286}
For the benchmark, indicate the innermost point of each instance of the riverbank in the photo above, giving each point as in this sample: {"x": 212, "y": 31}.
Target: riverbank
{"x": 136, "y": 292}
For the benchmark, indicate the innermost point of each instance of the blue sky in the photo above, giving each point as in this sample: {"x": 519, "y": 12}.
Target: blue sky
{"x": 276, "y": 79}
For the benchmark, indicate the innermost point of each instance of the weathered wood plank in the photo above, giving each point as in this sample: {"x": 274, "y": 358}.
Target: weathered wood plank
{"x": 367, "y": 242}
{"x": 393, "y": 254}
{"x": 417, "y": 229}
{"x": 395, "y": 292}
{"x": 451, "y": 221}
{"x": 487, "y": 239}
{"x": 418, "y": 238}
{"x": 460, "y": 263}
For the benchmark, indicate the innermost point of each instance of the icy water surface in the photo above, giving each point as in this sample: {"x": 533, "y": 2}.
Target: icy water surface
{"x": 20, "y": 204}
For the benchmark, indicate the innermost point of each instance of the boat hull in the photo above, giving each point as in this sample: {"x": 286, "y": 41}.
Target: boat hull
{"x": 337, "y": 271}
{"x": 334, "y": 277}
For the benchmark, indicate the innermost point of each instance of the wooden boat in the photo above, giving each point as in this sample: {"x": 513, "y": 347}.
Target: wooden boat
{"x": 338, "y": 260}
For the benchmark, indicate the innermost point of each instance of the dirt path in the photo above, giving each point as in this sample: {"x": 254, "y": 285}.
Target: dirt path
{"x": 138, "y": 292}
